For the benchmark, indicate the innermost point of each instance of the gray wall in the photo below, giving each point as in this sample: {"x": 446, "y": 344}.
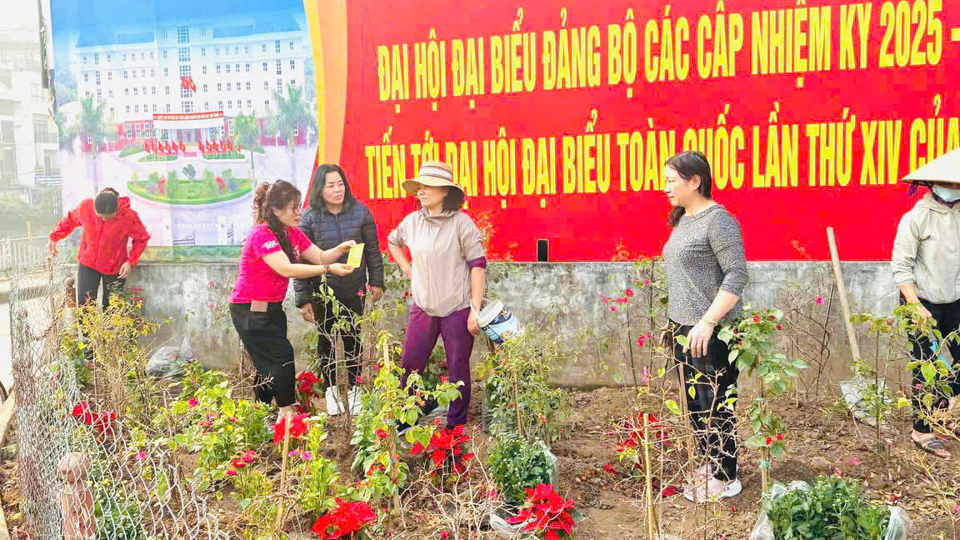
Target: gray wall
{"x": 561, "y": 298}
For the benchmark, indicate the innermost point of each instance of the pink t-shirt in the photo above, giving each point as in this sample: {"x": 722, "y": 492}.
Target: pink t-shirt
{"x": 256, "y": 280}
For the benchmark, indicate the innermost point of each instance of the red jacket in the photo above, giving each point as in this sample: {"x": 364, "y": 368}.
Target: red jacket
{"x": 103, "y": 246}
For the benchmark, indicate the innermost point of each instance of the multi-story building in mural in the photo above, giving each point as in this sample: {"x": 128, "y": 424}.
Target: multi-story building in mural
{"x": 234, "y": 67}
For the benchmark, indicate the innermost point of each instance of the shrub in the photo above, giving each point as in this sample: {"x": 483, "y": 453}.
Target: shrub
{"x": 517, "y": 465}
{"x": 831, "y": 508}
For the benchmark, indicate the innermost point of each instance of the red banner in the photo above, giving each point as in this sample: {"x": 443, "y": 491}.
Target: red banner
{"x": 558, "y": 118}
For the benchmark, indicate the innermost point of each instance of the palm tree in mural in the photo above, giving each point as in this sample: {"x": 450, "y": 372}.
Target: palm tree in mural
{"x": 67, "y": 135}
{"x": 91, "y": 128}
{"x": 293, "y": 113}
{"x": 247, "y": 132}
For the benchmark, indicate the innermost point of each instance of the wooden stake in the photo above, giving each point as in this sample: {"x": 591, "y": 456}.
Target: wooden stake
{"x": 283, "y": 468}
{"x": 648, "y": 474}
{"x": 844, "y": 304}
{"x": 764, "y": 450}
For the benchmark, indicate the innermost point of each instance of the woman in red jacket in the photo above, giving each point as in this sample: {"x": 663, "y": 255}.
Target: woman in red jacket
{"x": 108, "y": 225}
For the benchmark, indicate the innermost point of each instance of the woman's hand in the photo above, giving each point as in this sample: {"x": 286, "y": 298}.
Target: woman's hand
{"x": 340, "y": 269}
{"x": 345, "y": 247}
{"x": 664, "y": 334}
{"x": 473, "y": 324}
{"x": 699, "y": 338}
{"x": 306, "y": 311}
{"x": 374, "y": 293}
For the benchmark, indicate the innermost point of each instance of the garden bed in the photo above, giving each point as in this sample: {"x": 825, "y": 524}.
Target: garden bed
{"x": 191, "y": 192}
{"x": 154, "y": 158}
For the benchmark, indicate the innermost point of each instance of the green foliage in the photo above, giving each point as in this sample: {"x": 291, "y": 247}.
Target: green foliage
{"x": 72, "y": 354}
{"x": 517, "y": 465}
{"x": 316, "y": 474}
{"x": 203, "y": 191}
{"x": 131, "y": 149}
{"x": 753, "y": 348}
{"x": 833, "y": 509}
{"x": 520, "y": 398}
{"x": 190, "y": 172}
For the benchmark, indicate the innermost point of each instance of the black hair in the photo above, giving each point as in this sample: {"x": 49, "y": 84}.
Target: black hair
{"x": 277, "y": 195}
{"x": 106, "y": 201}
{"x": 320, "y": 180}
{"x": 689, "y": 164}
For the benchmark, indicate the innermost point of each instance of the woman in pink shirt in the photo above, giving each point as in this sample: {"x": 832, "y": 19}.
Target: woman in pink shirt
{"x": 271, "y": 256}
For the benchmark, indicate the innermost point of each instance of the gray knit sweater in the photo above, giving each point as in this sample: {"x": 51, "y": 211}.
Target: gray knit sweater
{"x": 703, "y": 256}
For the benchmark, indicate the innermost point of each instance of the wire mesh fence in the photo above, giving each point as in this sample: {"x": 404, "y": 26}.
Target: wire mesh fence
{"x": 86, "y": 471}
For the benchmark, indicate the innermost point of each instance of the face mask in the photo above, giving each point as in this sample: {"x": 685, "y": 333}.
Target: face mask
{"x": 949, "y": 195}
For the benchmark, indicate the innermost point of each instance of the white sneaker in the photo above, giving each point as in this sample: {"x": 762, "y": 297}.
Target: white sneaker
{"x": 713, "y": 491}
{"x": 334, "y": 403}
{"x": 353, "y": 399}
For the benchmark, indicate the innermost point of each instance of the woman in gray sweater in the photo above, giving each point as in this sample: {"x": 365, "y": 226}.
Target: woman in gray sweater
{"x": 706, "y": 273}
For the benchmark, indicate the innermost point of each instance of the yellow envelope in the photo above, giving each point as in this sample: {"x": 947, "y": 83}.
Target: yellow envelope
{"x": 356, "y": 255}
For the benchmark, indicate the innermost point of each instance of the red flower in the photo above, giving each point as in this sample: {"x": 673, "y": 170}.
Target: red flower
{"x": 769, "y": 441}
{"x": 344, "y": 520}
{"x": 609, "y": 468}
{"x": 359, "y": 379}
{"x": 613, "y": 309}
{"x": 231, "y": 472}
{"x": 307, "y": 380}
{"x": 818, "y": 300}
{"x": 238, "y": 463}
{"x": 297, "y": 428}
{"x": 444, "y": 379}
{"x": 192, "y": 402}
{"x": 446, "y": 446}
{"x": 669, "y": 491}
{"x": 756, "y": 318}
{"x": 444, "y": 535}
{"x": 546, "y": 513}
{"x": 416, "y": 449}
{"x": 628, "y": 292}
{"x": 779, "y": 327}
{"x": 381, "y": 434}
{"x": 640, "y": 341}
{"x": 780, "y": 436}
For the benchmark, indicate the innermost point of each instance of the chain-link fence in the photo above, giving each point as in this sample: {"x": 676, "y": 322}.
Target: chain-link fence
{"x": 85, "y": 472}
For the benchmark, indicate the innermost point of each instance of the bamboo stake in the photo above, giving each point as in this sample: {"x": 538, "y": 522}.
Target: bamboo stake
{"x": 651, "y": 511}
{"x": 764, "y": 450}
{"x": 844, "y": 304}
{"x": 283, "y": 468}
{"x": 392, "y": 441}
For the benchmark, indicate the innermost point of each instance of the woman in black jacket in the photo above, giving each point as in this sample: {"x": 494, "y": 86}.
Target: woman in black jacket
{"x": 332, "y": 218}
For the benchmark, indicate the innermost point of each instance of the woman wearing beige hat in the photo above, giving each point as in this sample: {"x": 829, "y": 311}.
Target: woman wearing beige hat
{"x": 447, "y": 276}
{"x": 926, "y": 266}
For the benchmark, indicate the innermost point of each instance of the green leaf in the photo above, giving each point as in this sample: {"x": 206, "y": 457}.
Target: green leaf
{"x": 732, "y": 357}
{"x": 692, "y": 390}
{"x": 929, "y": 372}
{"x": 672, "y": 406}
{"x": 799, "y": 363}
{"x": 903, "y": 402}
{"x": 683, "y": 341}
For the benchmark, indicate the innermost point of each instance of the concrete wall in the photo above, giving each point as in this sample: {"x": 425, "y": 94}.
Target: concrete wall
{"x": 561, "y": 298}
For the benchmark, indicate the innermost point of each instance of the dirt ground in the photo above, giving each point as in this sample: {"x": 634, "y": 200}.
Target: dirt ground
{"x": 822, "y": 439}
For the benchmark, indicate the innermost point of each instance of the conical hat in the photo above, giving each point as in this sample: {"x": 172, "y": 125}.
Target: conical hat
{"x": 944, "y": 169}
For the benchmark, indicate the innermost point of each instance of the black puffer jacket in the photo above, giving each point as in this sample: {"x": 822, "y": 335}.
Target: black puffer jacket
{"x": 326, "y": 230}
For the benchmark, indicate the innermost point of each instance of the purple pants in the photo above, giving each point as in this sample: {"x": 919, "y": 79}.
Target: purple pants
{"x": 422, "y": 333}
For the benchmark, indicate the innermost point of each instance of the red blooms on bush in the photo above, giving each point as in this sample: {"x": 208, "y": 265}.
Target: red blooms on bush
{"x": 446, "y": 445}
{"x": 297, "y": 428}
{"x": 305, "y": 383}
{"x": 630, "y": 434}
{"x": 546, "y": 513}
{"x": 101, "y": 423}
{"x": 344, "y": 520}
{"x": 756, "y": 319}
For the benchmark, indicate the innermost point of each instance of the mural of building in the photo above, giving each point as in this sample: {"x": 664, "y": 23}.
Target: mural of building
{"x": 205, "y": 66}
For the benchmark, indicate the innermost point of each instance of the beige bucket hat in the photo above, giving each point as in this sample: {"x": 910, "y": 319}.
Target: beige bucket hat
{"x": 945, "y": 169}
{"x": 432, "y": 173}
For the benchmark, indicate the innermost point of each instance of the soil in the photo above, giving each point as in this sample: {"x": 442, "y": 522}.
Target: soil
{"x": 822, "y": 439}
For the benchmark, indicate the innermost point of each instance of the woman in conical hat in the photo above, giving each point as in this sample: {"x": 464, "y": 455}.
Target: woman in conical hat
{"x": 447, "y": 278}
{"x": 926, "y": 267}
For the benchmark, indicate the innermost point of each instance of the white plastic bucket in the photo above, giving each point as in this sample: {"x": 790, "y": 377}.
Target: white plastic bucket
{"x": 497, "y": 322}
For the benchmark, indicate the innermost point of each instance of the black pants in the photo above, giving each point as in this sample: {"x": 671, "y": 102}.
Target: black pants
{"x": 714, "y": 427}
{"x": 88, "y": 283}
{"x": 349, "y": 310}
{"x": 264, "y": 335}
{"x": 948, "y": 321}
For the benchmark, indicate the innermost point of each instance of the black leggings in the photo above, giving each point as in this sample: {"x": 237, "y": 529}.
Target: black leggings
{"x": 264, "y": 335}
{"x": 323, "y": 313}
{"x": 948, "y": 321}
{"x": 88, "y": 283}
{"x": 715, "y": 428}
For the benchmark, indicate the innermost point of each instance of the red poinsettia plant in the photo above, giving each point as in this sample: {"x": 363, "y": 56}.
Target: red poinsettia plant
{"x": 298, "y": 427}
{"x": 546, "y": 514}
{"x": 307, "y": 390}
{"x": 446, "y": 449}
{"x": 346, "y": 520}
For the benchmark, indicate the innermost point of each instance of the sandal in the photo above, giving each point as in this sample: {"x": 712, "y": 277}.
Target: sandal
{"x": 934, "y": 446}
